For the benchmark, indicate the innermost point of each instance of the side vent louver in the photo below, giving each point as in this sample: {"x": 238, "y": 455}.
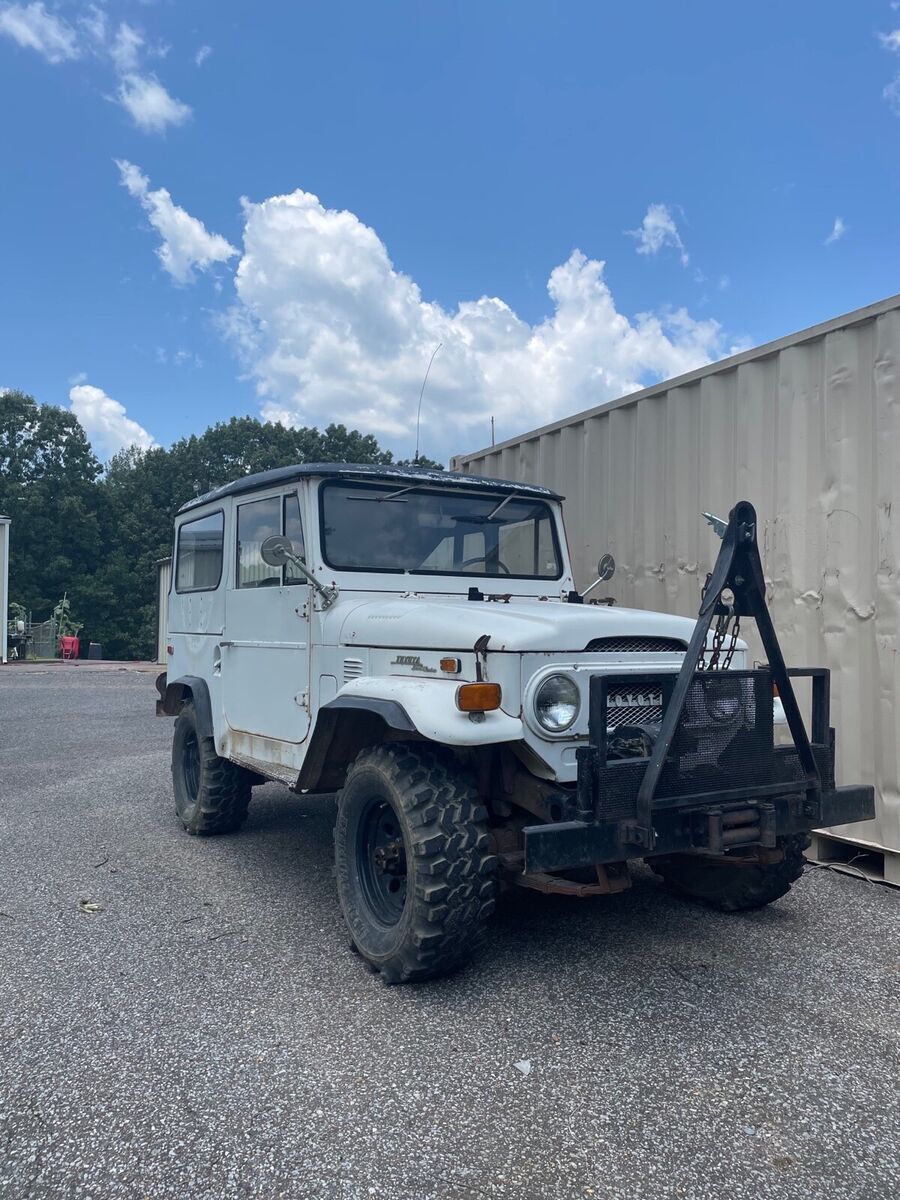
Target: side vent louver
{"x": 353, "y": 668}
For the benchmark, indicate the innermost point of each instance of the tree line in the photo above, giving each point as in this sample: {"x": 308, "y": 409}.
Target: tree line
{"x": 95, "y": 533}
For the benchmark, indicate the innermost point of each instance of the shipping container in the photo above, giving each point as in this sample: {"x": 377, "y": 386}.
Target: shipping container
{"x": 808, "y": 429}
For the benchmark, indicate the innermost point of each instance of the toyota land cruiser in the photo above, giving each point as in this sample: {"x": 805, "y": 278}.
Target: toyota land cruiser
{"x": 415, "y": 642}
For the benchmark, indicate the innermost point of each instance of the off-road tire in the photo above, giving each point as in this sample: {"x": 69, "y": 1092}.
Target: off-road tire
{"x": 211, "y": 794}
{"x": 734, "y": 889}
{"x": 451, "y": 874}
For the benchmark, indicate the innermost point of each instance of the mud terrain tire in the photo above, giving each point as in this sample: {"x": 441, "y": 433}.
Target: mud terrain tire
{"x": 415, "y": 874}
{"x": 212, "y": 795}
{"x": 734, "y": 889}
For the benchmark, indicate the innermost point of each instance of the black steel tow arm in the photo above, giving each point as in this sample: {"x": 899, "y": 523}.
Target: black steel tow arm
{"x": 738, "y": 568}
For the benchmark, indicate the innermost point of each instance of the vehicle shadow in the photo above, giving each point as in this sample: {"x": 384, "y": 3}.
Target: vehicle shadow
{"x": 645, "y": 940}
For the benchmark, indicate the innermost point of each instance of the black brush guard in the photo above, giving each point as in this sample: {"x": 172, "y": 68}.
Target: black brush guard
{"x": 715, "y": 780}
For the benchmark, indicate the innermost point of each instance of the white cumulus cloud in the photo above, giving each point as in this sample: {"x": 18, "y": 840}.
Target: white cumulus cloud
{"x": 186, "y": 244}
{"x": 106, "y": 422}
{"x": 837, "y": 231}
{"x": 202, "y": 55}
{"x": 34, "y": 28}
{"x": 657, "y": 230}
{"x": 891, "y": 41}
{"x": 148, "y": 103}
{"x": 331, "y": 331}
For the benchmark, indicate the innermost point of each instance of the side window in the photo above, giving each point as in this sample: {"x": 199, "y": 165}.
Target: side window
{"x": 293, "y": 528}
{"x": 255, "y": 522}
{"x": 199, "y": 562}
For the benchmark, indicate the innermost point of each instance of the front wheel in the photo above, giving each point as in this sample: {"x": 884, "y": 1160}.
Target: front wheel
{"x": 729, "y": 885}
{"x": 415, "y": 875}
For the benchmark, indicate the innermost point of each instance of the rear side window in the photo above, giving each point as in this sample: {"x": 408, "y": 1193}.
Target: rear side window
{"x": 255, "y": 522}
{"x": 200, "y": 542}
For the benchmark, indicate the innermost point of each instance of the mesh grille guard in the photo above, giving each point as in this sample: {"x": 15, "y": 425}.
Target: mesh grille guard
{"x": 708, "y": 764}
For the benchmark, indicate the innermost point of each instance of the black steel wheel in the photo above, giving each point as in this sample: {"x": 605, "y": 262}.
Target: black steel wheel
{"x": 211, "y": 794}
{"x": 381, "y": 861}
{"x": 415, "y": 874}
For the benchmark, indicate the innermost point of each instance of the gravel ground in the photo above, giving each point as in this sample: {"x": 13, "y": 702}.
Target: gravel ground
{"x": 207, "y": 1032}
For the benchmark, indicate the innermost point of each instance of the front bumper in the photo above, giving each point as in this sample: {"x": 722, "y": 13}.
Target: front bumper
{"x": 570, "y": 844}
{"x": 722, "y": 785}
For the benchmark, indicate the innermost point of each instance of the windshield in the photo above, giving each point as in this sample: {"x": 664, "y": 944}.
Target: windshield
{"x": 424, "y": 530}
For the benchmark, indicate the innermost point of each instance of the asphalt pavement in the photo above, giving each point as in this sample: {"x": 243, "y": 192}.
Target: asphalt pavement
{"x": 183, "y": 1018}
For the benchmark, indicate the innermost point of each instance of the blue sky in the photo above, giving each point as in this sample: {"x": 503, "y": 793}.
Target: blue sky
{"x": 463, "y": 155}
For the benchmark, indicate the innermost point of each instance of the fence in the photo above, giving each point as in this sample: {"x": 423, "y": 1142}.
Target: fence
{"x": 42, "y": 638}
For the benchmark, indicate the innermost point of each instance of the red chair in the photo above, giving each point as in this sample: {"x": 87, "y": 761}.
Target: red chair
{"x": 68, "y": 647}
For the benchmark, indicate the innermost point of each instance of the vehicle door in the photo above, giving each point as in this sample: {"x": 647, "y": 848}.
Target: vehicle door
{"x": 265, "y": 654}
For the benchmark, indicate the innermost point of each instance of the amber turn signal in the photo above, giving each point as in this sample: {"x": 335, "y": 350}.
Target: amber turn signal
{"x": 477, "y": 697}
{"x": 451, "y": 666}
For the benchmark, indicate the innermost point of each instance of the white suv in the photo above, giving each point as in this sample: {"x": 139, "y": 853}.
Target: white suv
{"x": 414, "y": 641}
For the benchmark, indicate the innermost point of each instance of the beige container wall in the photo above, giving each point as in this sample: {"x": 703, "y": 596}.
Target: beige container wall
{"x": 808, "y": 429}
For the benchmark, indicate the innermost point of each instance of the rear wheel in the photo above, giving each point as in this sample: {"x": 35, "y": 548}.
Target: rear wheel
{"x": 726, "y": 885}
{"x": 416, "y": 879}
{"x": 212, "y": 795}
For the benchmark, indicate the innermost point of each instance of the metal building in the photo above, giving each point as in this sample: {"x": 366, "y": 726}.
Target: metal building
{"x": 808, "y": 429}
{"x": 4, "y": 585}
{"x": 163, "y": 584}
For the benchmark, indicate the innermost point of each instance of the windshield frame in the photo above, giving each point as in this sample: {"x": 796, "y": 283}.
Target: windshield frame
{"x": 376, "y": 485}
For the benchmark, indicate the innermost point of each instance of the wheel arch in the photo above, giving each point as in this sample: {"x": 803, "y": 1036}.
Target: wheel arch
{"x": 345, "y": 726}
{"x": 176, "y": 692}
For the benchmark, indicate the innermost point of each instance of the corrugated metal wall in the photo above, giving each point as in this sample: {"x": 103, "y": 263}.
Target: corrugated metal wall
{"x": 808, "y": 429}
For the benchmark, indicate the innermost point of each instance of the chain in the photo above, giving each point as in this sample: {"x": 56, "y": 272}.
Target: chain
{"x": 726, "y": 631}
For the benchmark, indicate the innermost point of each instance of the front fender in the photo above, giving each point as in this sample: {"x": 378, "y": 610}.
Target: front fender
{"x": 430, "y": 705}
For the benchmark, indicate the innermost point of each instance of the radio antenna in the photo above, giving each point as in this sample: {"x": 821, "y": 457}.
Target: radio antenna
{"x": 421, "y": 394}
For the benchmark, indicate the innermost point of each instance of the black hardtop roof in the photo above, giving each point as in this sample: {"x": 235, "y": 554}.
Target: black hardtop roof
{"x": 400, "y": 475}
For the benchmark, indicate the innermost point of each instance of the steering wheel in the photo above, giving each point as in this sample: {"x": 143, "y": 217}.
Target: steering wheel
{"x": 483, "y": 558}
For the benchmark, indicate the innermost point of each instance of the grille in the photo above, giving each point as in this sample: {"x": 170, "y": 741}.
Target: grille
{"x": 632, "y": 706}
{"x": 353, "y": 668}
{"x": 636, "y": 645}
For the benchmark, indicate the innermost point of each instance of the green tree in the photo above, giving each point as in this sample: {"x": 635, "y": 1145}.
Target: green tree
{"x": 49, "y": 487}
{"x": 97, "y": 534}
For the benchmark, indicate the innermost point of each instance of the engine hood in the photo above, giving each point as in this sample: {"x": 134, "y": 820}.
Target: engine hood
{"x": 433, "y": 623}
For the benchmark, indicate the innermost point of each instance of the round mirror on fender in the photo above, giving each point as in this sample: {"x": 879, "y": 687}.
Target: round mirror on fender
{"x": 606, "y": 568}
{"x": 275, "y": 550}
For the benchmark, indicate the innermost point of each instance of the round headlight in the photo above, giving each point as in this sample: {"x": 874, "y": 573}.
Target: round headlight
{"x": 557, "y": 703}
{"x": 723, "y": 702}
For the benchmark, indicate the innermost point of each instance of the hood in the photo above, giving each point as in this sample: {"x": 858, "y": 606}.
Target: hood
{"x": 432, "y": 623}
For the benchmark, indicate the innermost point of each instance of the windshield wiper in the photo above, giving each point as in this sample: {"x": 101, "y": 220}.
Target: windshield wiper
{"x": 504, "y": 501}
{"x": 413, "y": 487}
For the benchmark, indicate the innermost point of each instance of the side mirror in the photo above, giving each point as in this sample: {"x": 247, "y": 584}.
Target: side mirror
{"x": 276, "y": 550}
{"x": 606, "y": 568}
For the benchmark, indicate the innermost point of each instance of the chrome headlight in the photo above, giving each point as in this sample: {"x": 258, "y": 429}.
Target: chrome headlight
{"x": 557, "y": 703}
{"x": 723, "y": 700}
